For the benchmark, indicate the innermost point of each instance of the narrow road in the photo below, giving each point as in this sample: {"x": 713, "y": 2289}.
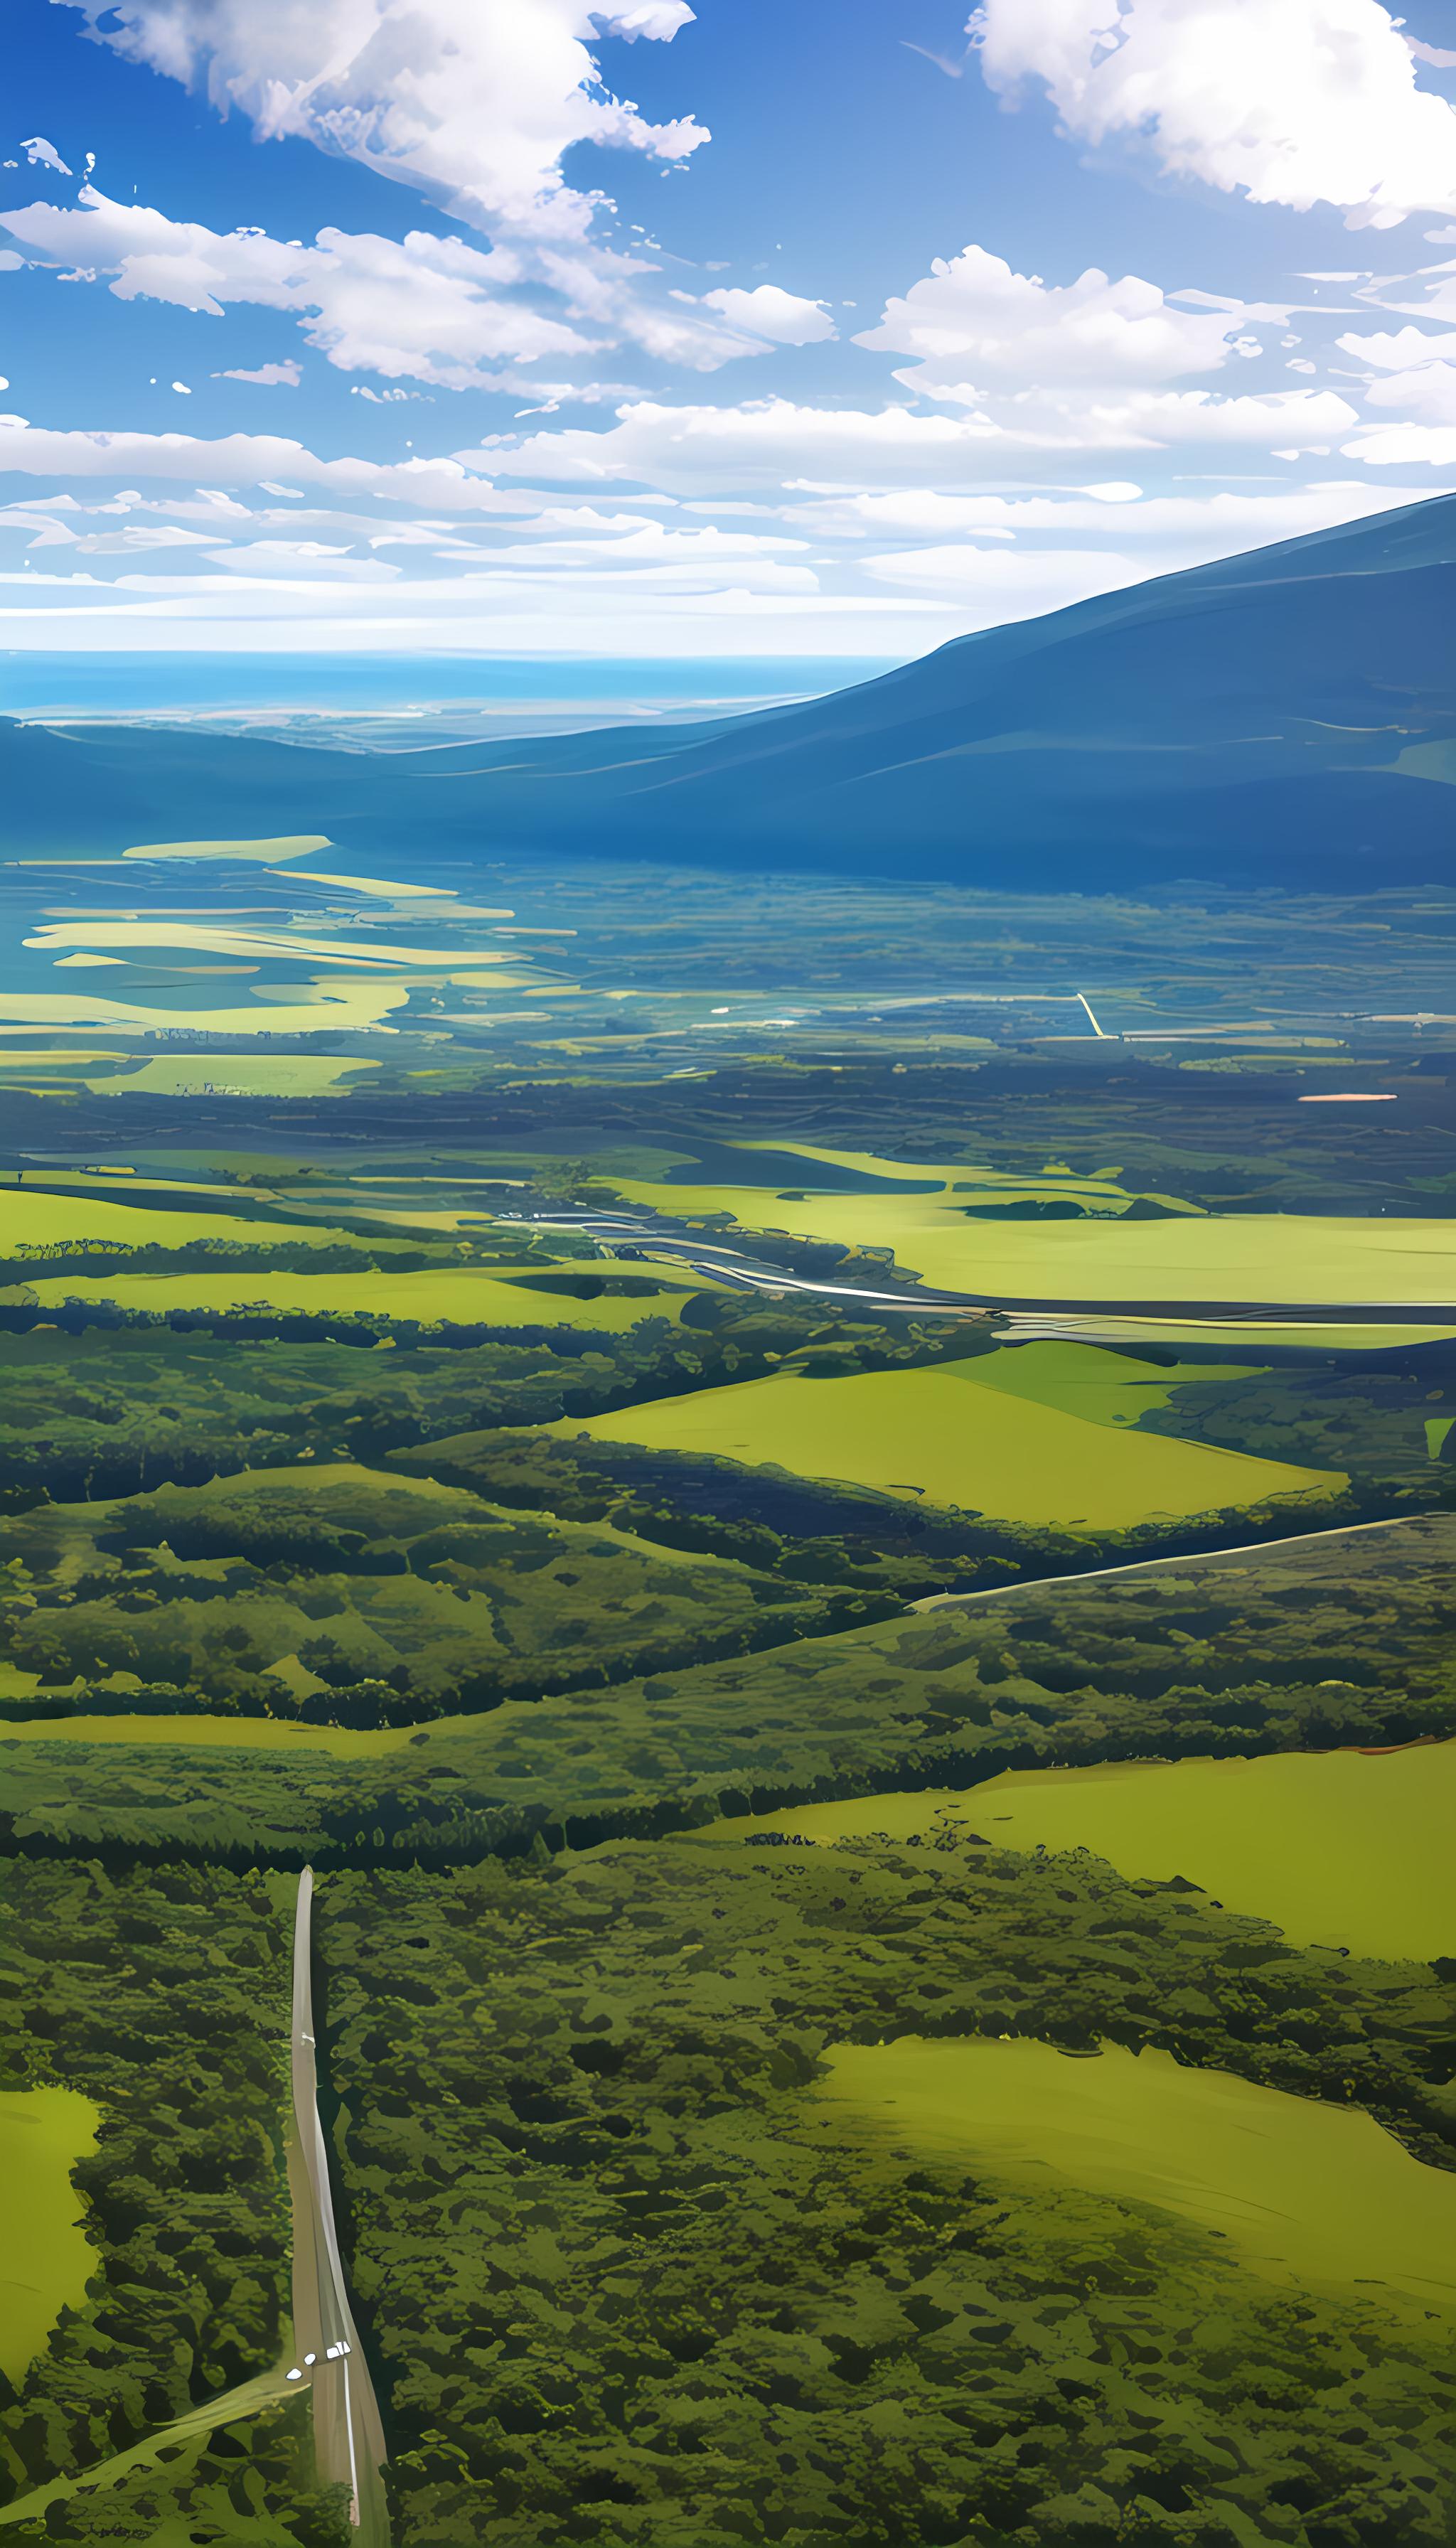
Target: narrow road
{"x": 229, "y": 2406}
{"x": 619, "y": 1235}
{"x": 1140, "y": 1565}
{"x": 348, "y": 2436}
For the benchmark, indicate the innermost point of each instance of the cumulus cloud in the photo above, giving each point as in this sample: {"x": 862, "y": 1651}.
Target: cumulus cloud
{"x": 973, "y": 325}
{"x": 1402, "y": 351}
{"x": 472, "y": 105}
{"x": 1425, "y": 394}
{"x": 780, "y": 317}
{"x": 1297, "y": 101}
{"x": 425, "y": 308}
{"x": 1408, "y": 368}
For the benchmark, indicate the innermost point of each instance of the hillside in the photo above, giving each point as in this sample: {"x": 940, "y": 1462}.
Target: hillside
{"x": 1289, "y": 715}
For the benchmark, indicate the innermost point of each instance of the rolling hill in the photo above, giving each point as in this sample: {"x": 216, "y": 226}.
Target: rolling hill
{"x": 1285, "y": 717}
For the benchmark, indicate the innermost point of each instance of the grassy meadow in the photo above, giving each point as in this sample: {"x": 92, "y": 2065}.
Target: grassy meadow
{"x": 1054, "y": 1446}
{"x": 49, "y": 2259}
{"x": 1300, "y": 2192}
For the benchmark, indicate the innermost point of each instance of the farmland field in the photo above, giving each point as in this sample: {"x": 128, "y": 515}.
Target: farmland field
{"x": 49, "y": 2259}
{"x": 491, "y": 1446}
{"x": 1301, "y": 2193}
{"x": 1338, "y": 1849}
{"x": 1020, "y": 1453}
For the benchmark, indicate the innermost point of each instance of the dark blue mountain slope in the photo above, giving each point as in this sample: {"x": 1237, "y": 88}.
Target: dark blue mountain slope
{"x": 1287, "y": 718}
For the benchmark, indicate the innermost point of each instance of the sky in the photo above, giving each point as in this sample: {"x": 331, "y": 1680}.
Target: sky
{"x": 815, "y": 329}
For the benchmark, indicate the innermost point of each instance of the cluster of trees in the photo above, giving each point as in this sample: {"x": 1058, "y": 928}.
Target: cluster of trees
{"x": 93, "y": 1409}
{"x": 1369, "y": 1421}
{"x": 809, "y": 1531}
{"x": 364, "y": 1600}
{"x": 202, "y": 1255}
{"x": 1345, "y": 1640}
{"x": 625, "y": 2279}
{"x": 163, "y": 1996}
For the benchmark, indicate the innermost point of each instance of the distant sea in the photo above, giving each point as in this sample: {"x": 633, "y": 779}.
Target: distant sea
{"x": 382, "y": 702}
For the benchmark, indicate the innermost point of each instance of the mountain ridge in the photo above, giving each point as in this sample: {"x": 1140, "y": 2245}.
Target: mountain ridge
{"x": 1244, "y": 721}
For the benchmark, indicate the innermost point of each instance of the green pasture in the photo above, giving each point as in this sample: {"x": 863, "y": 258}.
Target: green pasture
{"x": 1083, "y": 1379}
{"x": 970, "y": 1435}
{"x": 237, "y": 1074}
{"x": 462, "y": 1299}
{"x": 1303, "y": 2193}
{"x": 100, "y": 1217}
{"x": 1281, "y": 1258}
{"x": 1338, "y": 1849}
{"x": 187, "y": 1733}
{"x": 47, "y": 2259}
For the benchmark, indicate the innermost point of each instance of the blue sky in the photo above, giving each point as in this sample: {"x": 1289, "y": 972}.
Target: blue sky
{"x": 806, "y": 330}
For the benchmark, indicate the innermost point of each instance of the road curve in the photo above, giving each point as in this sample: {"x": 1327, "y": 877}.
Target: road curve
{"x": 348, "y": 2436}
{"x": 656, "y": 1241}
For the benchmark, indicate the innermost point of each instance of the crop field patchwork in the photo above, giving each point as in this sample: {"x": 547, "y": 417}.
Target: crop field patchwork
{"x": 879, "y": 1929}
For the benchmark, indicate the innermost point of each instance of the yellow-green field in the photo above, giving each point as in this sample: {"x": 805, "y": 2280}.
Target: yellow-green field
{"x": 238, "y": 1074}
{"x": 969, "y": 1434}
{"x": 1275, "y": 1257}
{"x": 1302, "y": 2192}
{"x": 103, "y": 1217}
{"x": 338, "y": 1007}
{"x": 187, "y": 1733}
{"x": 460, "y": 1298}
{"x": 1107, "y": 1388}
{"x": 1248, "y": 1335}
{"x": 47, "y": 2259}
{"x": 1338, "y": 1849}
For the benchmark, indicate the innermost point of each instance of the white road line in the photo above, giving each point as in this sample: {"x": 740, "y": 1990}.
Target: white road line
{"x": 1199, "y": 1557}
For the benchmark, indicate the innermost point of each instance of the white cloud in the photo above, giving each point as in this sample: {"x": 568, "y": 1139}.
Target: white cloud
{"x": 1404, "y": 351}
{"x": 1169, "y": 419}
{"x": 659, "y": 19}
{"x": 426, "y": 308}
{"x": 316, "y": 558}
{"x": 1185, "y": 529}
{"x": 655, "y": 544}
{"x": 1410, "y": 370}
{"x": 991, "y": 587}
{"x": 247, "y": 460}
{"x": 677, "y": 335}
{"x": 503, "y": 614}
{"x": 726, "y": 450}
{"x": 471, "y": 104}
{"x": 782, "y": 317}
{"x": 1297, "y": 101}
{"x": 1403, "y": 446}
{"x": 1425, "y": 395}
{"x": 126, "y": 542}
{"x": 975, "y": 325}
{"x": 268, "y": 376}
{"x": 43, "y": 154}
